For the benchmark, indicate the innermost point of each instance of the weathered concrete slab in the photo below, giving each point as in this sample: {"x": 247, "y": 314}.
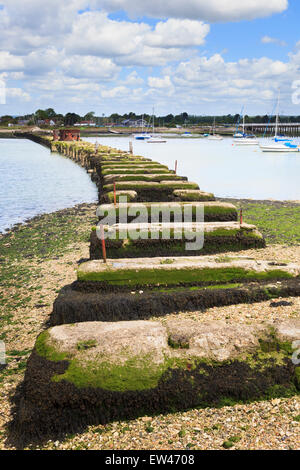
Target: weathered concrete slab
{"x": 146, "y": 240}
{"x": 191, "y": 195}
{"x": 109, "y": 197}
{"x": 111, "y": 178}
{"x": 133, "y": 273}
{"x": 151, "y": 191}
{"x": 92, "y": 373}
{"x": 213, "y": 211}
{"x": 135, "y": 169}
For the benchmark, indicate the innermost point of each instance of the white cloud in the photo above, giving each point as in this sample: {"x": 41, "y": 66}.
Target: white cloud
{"x": 132, "y": 43}
{"x": 116, "y": 92}
{"x": 178, "y": 33}
{"x": 90, "y": 67}
{"x": 212, "y": 10}
{"x": 269, "y": 40}
{"x": 156, "y": 82}
{"x": 95, "y": 34}
{"x": 9, "y": 62}
{"x": 17, "y": 93}
{"x": 133, "y": 79}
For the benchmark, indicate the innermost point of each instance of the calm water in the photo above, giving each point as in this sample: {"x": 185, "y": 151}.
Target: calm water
{"x": 220, "y": 167}
{"x": 34, "y": 181}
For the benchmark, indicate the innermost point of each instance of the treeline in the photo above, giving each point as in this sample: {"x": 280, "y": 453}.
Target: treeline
{"x": 170, "y": 120}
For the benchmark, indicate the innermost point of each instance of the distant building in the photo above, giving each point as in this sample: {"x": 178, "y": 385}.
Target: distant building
{"x": 23, "y": 122}
{"x": 85, "y": 124}
{"x": 66, "y": 135}
{"x": 134, "y": 123}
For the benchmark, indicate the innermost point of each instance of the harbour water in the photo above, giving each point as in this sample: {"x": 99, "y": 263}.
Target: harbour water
{"x": 221, "y": 167}
{"x": 34, "y": 181}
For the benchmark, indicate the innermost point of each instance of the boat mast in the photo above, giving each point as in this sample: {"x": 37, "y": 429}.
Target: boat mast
{"x": 277, "y": 115}
{"x": 153, "y": 120}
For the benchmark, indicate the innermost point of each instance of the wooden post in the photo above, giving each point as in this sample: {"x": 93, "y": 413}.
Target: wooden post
{"x": 130, "y": 148}
{"x": 241, "y": 217}
{"x": 176, "y": 163}
{"x": 103, "y": 244}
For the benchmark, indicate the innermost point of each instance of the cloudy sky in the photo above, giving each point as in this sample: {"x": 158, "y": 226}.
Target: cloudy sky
{"x": 198, "y": 56}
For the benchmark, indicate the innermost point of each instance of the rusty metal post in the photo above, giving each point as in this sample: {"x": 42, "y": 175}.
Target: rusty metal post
{"x": 103, "y": 244}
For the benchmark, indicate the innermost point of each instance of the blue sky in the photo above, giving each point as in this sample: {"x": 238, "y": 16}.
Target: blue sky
{"x": 119, "y": 56}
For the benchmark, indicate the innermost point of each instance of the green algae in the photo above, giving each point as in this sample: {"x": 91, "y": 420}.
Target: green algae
{"x": 210, "y": 212}
{"x": 151, "y": 276}
{"x": 135, "y": 374}
{"x": 144, "y": 177}
{"x": 137, "y": 171}
{"x": 134, "y": 185}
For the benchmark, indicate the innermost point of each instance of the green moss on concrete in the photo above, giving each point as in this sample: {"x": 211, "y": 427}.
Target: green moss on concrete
{"x": 141, "y": 185}
{"x": 136, "y": 171}
{"x": 127, "y": 164}
{"x": 84, "y": 345}
{"x": 208, "y": 276}
{"x": 47, "y": 350}
{"x": 130, "y": 195}
{"x": 143, "y": 177}
{"x": 135, "y": 374}
{"x": 177, "y": 344}
{"x": 211, "y": 213}
{"x": 193, "y": 196}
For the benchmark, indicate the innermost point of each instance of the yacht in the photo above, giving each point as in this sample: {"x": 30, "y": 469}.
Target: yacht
{"x": 214, "y": 136}
{"x": 281, "y": 144}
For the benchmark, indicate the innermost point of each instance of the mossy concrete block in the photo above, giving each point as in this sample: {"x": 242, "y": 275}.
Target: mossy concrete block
{"x": 213, "y": 211}
{"x": 162, "y": 239}
{"x": 146, "y": 272}
{"x": 110, "y": 197}
{"x": 192, "y": 195}
{"x": 131, "y": 164}
{"x": 85, "y": 301}
{"x": 140, "y": 170}
{"x": 151, "y": 191}
{"x": 92, "y": 373}
{"x": 110, "y": 178}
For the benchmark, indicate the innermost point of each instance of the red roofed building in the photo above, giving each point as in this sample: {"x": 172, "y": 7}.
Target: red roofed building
{"x": 67, "y": 135}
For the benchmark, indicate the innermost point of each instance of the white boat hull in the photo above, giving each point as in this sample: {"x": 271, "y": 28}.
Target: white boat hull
{"x": 214, "y": 137}
{"x": 278, "y": 148}
{"x": 154, "y": 140}
{"x": 246, "y": 142}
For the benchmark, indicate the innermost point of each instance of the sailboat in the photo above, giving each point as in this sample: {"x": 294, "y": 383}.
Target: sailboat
{"x": 214, "y": 136}
{"x": 245, "y": 139}
{"x": 155, "y": 139}
{"x": 143, "y": 135}
{"x": 280, "y": 144}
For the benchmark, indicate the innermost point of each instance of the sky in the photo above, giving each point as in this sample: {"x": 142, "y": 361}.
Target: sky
{"x": 115, "y": 56}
